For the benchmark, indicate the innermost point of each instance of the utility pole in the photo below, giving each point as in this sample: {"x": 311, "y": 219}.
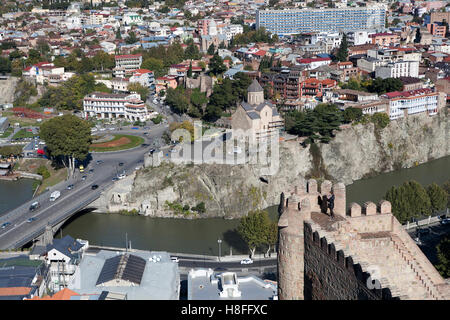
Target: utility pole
{"x": 219, "y": 241}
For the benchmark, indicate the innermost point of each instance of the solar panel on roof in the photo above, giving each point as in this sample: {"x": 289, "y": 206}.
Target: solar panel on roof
{"x": 126, "y": 267}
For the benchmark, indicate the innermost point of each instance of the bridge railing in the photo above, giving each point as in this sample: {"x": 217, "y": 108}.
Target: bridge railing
{"x": 56, "y": 221}
{"x": 23, "y": 208}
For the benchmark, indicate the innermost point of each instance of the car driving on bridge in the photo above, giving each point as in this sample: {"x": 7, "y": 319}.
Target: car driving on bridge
{"x": 31, "y": 219}
{"x": 5, "y": 225}
{"x": 94, "y": 186}
{"x": 34, "y": 206}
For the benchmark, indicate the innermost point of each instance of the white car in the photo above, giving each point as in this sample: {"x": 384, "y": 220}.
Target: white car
{"x": 445, "y": 221}
{"x": 247, "y": 261}
{"x": 121, "y": 176}
{"x": 175, "y": 259}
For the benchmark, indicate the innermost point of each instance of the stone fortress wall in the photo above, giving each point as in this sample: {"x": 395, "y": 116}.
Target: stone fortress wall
{"x": 361, "y": 254}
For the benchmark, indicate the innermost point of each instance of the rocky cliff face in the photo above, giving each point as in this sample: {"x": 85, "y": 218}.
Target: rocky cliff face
{"x": 231, "y": 191}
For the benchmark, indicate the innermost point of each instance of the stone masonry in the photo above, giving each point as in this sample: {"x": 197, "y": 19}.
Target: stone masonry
{"x": 362, "y": 254}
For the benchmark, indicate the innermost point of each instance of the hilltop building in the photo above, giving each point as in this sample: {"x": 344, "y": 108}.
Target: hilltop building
{"x": 257, "y": 116}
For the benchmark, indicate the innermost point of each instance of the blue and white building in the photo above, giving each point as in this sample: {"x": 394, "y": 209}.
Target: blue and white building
{"x": 295, "y": 21}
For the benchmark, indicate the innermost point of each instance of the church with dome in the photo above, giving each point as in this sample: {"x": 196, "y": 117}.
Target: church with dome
{"x": 213, "y": 37}
{"x": 257, "y": 116}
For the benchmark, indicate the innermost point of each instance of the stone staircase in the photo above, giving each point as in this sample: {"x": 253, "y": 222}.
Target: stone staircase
{"x": 428, "y": 286}
{"x": 396, "y": 268}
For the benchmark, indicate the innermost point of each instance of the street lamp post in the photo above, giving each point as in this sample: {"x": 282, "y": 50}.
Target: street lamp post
{"x": 219, "y": 242}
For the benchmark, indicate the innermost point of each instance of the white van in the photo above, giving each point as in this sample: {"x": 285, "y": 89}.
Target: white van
{"x": 55, "y": 195}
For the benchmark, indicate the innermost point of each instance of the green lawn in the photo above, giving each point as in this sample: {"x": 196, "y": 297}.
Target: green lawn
{"x": 134, "y": 142}
{"x": 23, "y": 134}
{"x": 7, "y": 133}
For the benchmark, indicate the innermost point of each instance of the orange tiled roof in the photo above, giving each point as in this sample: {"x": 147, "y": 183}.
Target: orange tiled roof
{"x": 63, "y": 294}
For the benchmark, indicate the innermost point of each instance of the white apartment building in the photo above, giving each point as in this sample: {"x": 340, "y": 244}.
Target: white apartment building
{"x": 359, "y": 37}
{"x": 144, "y": 77}
{"x": 129, "y": 62}
{"x": 398, "y": 69}
{"x": 403, "y": 104}
{"x": 115, "y": 106}
{"x": 232, "y": 30}
{"x": 132, "y": 18}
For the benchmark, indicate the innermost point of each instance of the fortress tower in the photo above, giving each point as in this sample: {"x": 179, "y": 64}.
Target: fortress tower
{"x": 362, "y": 254}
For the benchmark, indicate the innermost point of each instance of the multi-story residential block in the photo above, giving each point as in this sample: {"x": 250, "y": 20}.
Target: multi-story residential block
{"x": 129, "y": 62}
{"x": 286, "y": 83}
{"x": 315, "y": 87}
{"x": 398, "y": 69}
{"x": 344, "y": 71}
{"x": 120, "y": 84}
{"x": 232, "y": 30}
{"x": 115, "y": 106}
{"x": 144, "y": 77}
{"x": 385, "y": 39}
{"x": 403, "y": 104}
{"x": 294, "y": 21}
{"x": 437, "y": 29}
{"x": 312, "y": 63}
{"x": 356, "y": 38}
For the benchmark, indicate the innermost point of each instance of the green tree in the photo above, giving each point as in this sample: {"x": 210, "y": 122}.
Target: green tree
{"x": 131, "y": 39}
{"x": 216, "y": 65}
{"x": 443, "y": 254}
{"x": 155, "y": 65}
{"x": 67, "y": 138}
{"x": 5, "y": 65}
{"x": 189, "y": 72}
{"x": 446, "y": 187}
{"x": 410, "y": 200}
{"x": 342, "y": 53}
{"x": 254, "y": 228}
{"x": 102, "y": 61}
{"x": 211, "y": 49}
{"x": 438, "y": 197}
{"x": 418, "y": 37}
{"x": 352, "y": 114}
{"x": 43, "y": 171}
{"x": 380, "y": 119}
{"x": 192, "y": 52}
{"x": 140, "y": 89}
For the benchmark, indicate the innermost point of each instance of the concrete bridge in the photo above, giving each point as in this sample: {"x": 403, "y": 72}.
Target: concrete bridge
{"x": 21, "y": 230}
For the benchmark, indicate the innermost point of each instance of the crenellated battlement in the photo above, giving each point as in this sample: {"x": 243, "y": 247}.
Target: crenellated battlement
{"x": 379, "y": 258}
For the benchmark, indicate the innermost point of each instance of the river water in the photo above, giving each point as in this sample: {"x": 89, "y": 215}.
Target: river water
{"x": 200, "y": 236}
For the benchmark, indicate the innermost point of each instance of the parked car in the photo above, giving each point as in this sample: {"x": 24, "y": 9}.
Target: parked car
{"x": 115, "y": 179}
{"x": 247, "y": 261}
{"x": 70, "y": 187}
{"x": 94, "y": 187}
{"x": 34, "y": 206}
{"x": 91, "y": 170}
{"x": 99, "y": 161}
{"x": 120, "y": 164}
{"x": 445, "y": 221}
{"x": 175, "y": 259}
{"x": 83, "y": 178}
{"x": 5, "y": 225}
